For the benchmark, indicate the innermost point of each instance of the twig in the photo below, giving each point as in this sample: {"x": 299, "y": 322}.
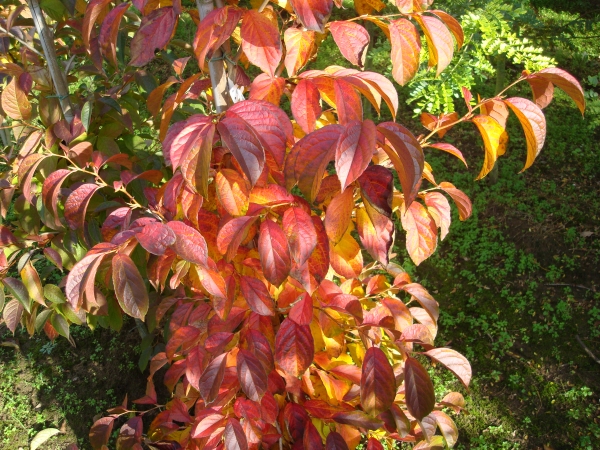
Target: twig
{"x": 587, "y": 350}
{"x": 571, "y": 285}
{"x": 21, "y": 41}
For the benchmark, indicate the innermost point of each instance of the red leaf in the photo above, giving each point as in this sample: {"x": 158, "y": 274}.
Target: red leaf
{"x": 312, "y": 439}
{"x": 182, "y": 137}
{"x": 421, "y": 232}
{"x": 232, "y": 234}
{"x": 245, "y": 145}
{"x": 235, "y": 438}
{"x": 384, "y": 87}
{"x": 274, "y": 252}
{"x": 260, "y": 346}
{"x": 306, "y": 105}
{"x": 269, "y": 122}
{"x": 354, "y": 151}
{"x": 7, "y": 238}
{"x": 130, "y": 433}
{"x": 261, "y": 42}
{"x": 300, "y": 232}
{"x": 76, "y": 205}
{"x": 308, "y": 159}
{"x": 93, "y": 10}
{"x": 212, "y": 378}
{"x": 302, "y": 310}
{"x": 264, "y": 87}
{"x": 419, "y": 393}
{"x": 534, "y": 125}
{"x": 50, "y": 191}
{"x": 406, "y": 46}
{"x": 108, "y": 33}
{"x": 406, "y": 154}
{"x": 338, "y": 215}
{"x": 377, "y": 383}
{"x": 189, "y": 243}
{"x": 299, "y": 46}
{"x": 323, "y": 410}
{"x": 352, "y": 39}
{"x": 374, "y": 444}
{"x": 100, "y": 432}
{"x": 257, "y": 296}
{"x": 208, "y": 425}
{"x": 376, "y": 188}
{"x": 156, "y": 238}
{"x": 335, "y": 441}
{"x": 195, "y": 163}
{"x": 214, "y": 30}
{"x": 358, "y": 419}
{"x": 251, "y": 374}
{"x": 154, "y": 33}
{"x": 453, "y": 361}
{"x": 460, "y": 199}
{"x": 81, "y": 276}
{"x": 375, "y": 231}
{"x": 318, "y": 263}
{"x": 348, "y": 102}
{"x": 182, "y": 340}
{"x": 129, "y": 286}
{"x": 294, "y": 348}
{"x": 313, "y": 14}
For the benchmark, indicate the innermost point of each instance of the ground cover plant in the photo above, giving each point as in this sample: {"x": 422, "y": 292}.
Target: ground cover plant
{"x": 249, "y": 228}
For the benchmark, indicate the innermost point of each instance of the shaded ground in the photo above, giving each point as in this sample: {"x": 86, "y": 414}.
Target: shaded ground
{"x": 45, "y": 385}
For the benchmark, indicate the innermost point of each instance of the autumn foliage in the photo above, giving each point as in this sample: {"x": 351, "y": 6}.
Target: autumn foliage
{"x": 258, "y": 245}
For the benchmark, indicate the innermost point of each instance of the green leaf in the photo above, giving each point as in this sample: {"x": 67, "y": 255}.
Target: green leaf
{"x": 41, "y": 319}
{"x": 60, "y": 324}
{"x": 86, "y": 115}
{"x": 42, "y": 437}
{"x": 18, "y": 290}
{"x": 54, "y": 294}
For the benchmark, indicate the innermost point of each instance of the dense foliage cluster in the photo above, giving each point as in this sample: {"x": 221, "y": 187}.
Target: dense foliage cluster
{"x": 259, "y": 246}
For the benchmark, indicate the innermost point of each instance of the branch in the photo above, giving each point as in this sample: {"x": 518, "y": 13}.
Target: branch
{"x": 587, "y": 350}
{"x": 21, "y": 41}
{"x": 58, "y": 76}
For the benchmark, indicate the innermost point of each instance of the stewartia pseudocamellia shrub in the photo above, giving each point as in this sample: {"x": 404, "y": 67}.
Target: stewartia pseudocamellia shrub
{"x": 257, "y": 244}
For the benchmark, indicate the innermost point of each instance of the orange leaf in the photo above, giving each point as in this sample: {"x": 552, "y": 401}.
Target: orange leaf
{"x": 534, "y": 125}
{"x": 406, "y": 46}
{"x": 299, "y": 46}
{"x": 352, "y": 39}
{"x": 439, "y": 41}
{"x": 261, "y": 42}
{"x": 566, "y": 82}
{"x": 460, "y": 199}
{"x": 421, "y": 232}
{"x": 494, "y": 140}
{"x": 265, "y": 87}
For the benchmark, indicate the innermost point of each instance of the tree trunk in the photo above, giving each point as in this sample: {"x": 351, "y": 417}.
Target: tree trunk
{"x": 216, "y": 66}
{"x": 58, "y": 76}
